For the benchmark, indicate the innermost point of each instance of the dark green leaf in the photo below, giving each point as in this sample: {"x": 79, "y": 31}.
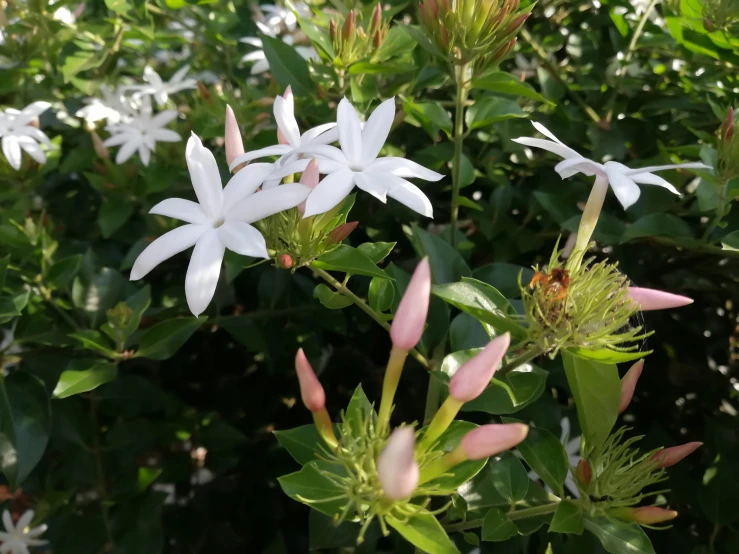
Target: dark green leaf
{"x": 84, "y": 375}
{"x": 62, "y": 272}
{"x": 507, "y": 84}
{"x": 446, "y": 263}
{"x": 424, "y": 532}
{"x": 349, "y": 260}
{"x": 567, "y": 519}
{"x": 330, "y": 298}
{"x": 490, "y": 110}
{"x": 113, "y": 214}
{"x": 447, "y": 442}
{"x": 287, "y": 66}
{"x": 619, "y": 537}
{"x": 658, "y": 225}
{"x": 510, "y": 478}
{"x": 94, "y": 340}
{"x": 731, "y": 241}
{"x": 301, "y": 442}
{"x": 96, "y": 294}
{"x": 381, "y": 294}
{"x": 376, "y": 251}
{"x": 311, "y": 486}
{"x": 165, "y": 338}
{"x": 497, "y": 526}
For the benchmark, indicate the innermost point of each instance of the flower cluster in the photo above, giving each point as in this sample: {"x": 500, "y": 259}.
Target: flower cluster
{"x": 354, "y": 42}
{"x": 19, "y": 130}
{"x": 18, "y": 536}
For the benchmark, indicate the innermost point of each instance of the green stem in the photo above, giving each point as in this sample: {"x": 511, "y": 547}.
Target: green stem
{"x": 101, "y": 488}
{"x": 694, "y": 247}
{"x": 463, "y": 89}
{"x": 720, "y": 211}
{"x": 433, "y": 393}
{"x": 512, "y": 515}
{"x": 519, "y": 361}
{"x": 361, "y": 304}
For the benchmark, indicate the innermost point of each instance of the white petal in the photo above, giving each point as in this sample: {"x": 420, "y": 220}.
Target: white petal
{"x": 165, "y": 247}
{"x": 117, "y": 139}
{"x": 203, "y": 271}
{"x": 653, "y": 168}
{"x": 376, "y": 130}
{"x": 546, "y": 132}
{"x": 179, "y": 74}
{"x": 206, "y": 179}
{"x": 24, "y": 520}
{"x": 245, "y": 183}
{"x": 549, "y": 146}
{"x": 127, "y": 150}
{"x": 282, "y": 171}
{"x": 144, "y": 154}
{"x": 35, "y": 109}
{"x": 253, "y": 41}
{"x": 573, "y": 166}
{"x": 184, "y": 210}
{"x": 152, "y": 77}
{"x": 329, "y": 192}
{"x": 36, "y": 531}
{"x": 256, "y": 56}
{"x": 315, "y": 150}
{"x": 260, "y": 67}
{"x": 12, "y": 151}
{"x": 163, "y": 117}
{"x": 322, "y": 134}
{"x": 409, "y": 194}
{"x": 32, "y": 148}
{"x": 8, "y": 521}
{"x": 350, "y": 132}
{"x": 165, "y": 135}
{"x": 623, "y": 187}
{"x": 243, "y": 239}
{"x": 404, "y": 168}
{"x": 373, "y": 185}
{"x": 35, "y": 134}
{"x": 268, "y": 202}
{"x": 650, "y": 179}
{"x": 276, "y": 150}
{"x": 284, "y": 110}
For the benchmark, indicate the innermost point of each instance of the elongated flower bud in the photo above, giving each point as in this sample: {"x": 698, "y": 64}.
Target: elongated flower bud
{"x": 583, "y": 472}
{"x": 376, "y": 22}
{"x": 651, "y": 299}
{"x": 646, "y": 515}
{"x": 99, "y": 147}
{"x": 311, "y": 390}
{"x": 628, "y": 385}
{"x": 332, "y": 30}
{"x": 397, "y": 469}
{"x": 492, "y": 439}
{"x": 727, "y": 129}
{"x": 670, "y": 456}
{"x": 342, "y": 231}
{"x": 475, "y": 375}
{"x": 410, "y": 318}
{"x": 515, "y": 25}
{"x": 234, "y": 144}
{"x": 309, "y": 178}
{"x": 348, "y": 29}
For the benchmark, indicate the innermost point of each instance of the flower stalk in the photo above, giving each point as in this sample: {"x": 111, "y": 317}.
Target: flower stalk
{"x": 390, "y": 385}
{"x": 462, "y": 74}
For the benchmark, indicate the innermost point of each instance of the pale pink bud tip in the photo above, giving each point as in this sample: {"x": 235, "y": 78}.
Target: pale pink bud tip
{"x": 234, "y": 144}
{"x": 311, "y": 390}
{"x": 646, "y": 515}
{"x": 397, "y": 469}
{"x": 628, "y": 385}
{"x": 492, "y": 439}
{"x": 410, "y": 318}
{"x": 288, "y": 92}
{"x": 309, "y": 178}
{"x": 471, "y": 379}
{"x": 670, "y": 456}
{"x": 651, "y": 299}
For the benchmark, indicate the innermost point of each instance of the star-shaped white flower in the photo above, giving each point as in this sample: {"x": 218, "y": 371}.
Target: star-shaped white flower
{"x": 18, "y": 134}
{"x": 18, "y": 537}
{"x": 220, "y": 219}
{"x": 141, "y": 133}
{"x": 161, "y": 89}
{"x": 260, "y": 58}
{"x": 357, "y": 164}
{"x": 292, "y": 143}
{"x": 623, "y": 180}
{"x": 114, "y": 107}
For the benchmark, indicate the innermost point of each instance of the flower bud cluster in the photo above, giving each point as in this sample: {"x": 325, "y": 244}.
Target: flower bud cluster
{"x": 720, "y": 15}
{"x": 354, "y": 42}
{"x": 728, "y": 148}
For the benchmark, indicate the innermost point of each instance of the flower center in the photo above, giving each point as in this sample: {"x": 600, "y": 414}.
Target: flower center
{"x": 218, "y": 222}
{"x": 356, "y": 167}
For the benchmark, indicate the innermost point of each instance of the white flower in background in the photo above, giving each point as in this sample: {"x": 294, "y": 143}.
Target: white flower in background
{"x": 18, "y": 537}
{"x": 113, "y": 107}
{"x": 65, "y": 15}
{"x": 525, "y": 68}
{"x": 18, "y": 133}
{"x": 623, "y": 180}
{"x": 161, "y": 89}
{"x": 357, "y": 164}
{"x": 260, "y": 58}
{"x": 292, "y": 143}
{"x": 220, "y": 219}
{"x": 141, "y": 133}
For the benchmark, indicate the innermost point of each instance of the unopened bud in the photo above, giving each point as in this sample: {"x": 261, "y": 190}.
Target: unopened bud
{"x": 646, "y": 515}
{"x": 377, "y": 38}
{"x": 284, "y": 261}
{"x": 376, "y": 22}
{"x": 348, "y": 29}
{"x": 583, "y": 472}
{"x": 397, "y": 469}
{"x": 475, "y": 375}
{"x": 309, "y": 178}
{"x": 492, "y": 439}
{"x": 332, "y": 30}
{"x": 311, "y": 391}
{"x": 410, "y": 317}
{"x": 342, "y": 231}
{"x": 504, "y": 50}
{"x": 234, "y": 143}
{"x": 708, "y": 24}
{"x": 515, "y": 25}
{"x": 670, "y": 456}
{"x": 628, "y": 385}
{"x": 727, "y": 129}
{"x": 100, "y": 149}
{"x": 651, "y": 299}
{"x": 204, "y": 92}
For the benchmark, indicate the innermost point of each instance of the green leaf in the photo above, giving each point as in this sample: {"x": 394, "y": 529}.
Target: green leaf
{"x": 491, "y": 110}
{"x": 381, "y": 294}
{"x": 546, "y": 456}
{"x": 62, "y": 272}
{"x": 165, "y": 338}
{"x": 446, "y": 263}
{"x": 4, "y": 261}
{"x": 113, "y": 214}
{"x": 358, "y": 410}
{"x": 94, "y": 340}
{"x": 730, "y": 241}
{"x": 567, "y": 519}
{"x": 287, "y": 66}
{"x": 311, "y": 486}
{"x": 497, "y": 526}
{"x": 606, "y": 356}
{"x": 95, "y": 294}
{"x": 80, "y": 61}
{"x": 424, "y": 532}
{"x": 510, "y": 478}
{"x": 317, "y": 36}
{"x": 301, "y": 442}
{"x": 653, "y": 225}
{"x": 330, "y": 298}
{"x": 324, "y": 533}
{"x": 447, "y": 442}
{"x": 482, "y": 302}
{"x": 24, "y": 425}
{"x": 619, "y": 537}
{"x": 118, "y": 6}
{"x": 507, "y": 84}
{"x": 504, "y": 277}
{"x": 376, "y": 251}
{"x": 350, "y": 260}
{"x": 13, "y": 307}
{"x": 596, "y": 389}
{"x": 83, "y": 375}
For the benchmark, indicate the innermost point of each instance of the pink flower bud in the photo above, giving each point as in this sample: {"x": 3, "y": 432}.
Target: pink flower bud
{"x": 628, "y": 385}
{"x": 410, "y": 318}
{"x": 348, "y": 29}
{"x": 342, "y": 231}
{"x": 332, "y": 30}
{"x": 471, "y": 379}
{"x": 670, "y": 456}
{"x": 234, "y": 144}
{"x": 309, "y": 178}
{"x": 651, "y": 299}
{"x": 727, "y": 129}
{"x": 492, "y": 439}
{"x": 285, "y": 261}
{"x": 583, "y": 472}
{"x": 397, "y": 469}
{"x": 646, "y": 515}
{"x": 311, "y": 390}
{"x": 287, "y": 96}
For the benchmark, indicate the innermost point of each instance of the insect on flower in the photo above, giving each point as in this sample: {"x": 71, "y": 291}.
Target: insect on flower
{"x": 555, "y": 282}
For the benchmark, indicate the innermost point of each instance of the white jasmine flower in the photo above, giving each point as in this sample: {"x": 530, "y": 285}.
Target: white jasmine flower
{"x": 141, "y": 132}
{"x": 292, "y": 143}
{"x": 18, "y": 134}
{"x": 65, "y": 15}
{"x": 258, "y": 56}
{"x": 357, "y": 164}
{"x": 623, "y": 180}
{"x": 160, "y": 89}
{"x": 525, "y": 68}
{"x": 18, "y": 537}
{"x": 113, "y": 106}
{"x": 220, "y": 219}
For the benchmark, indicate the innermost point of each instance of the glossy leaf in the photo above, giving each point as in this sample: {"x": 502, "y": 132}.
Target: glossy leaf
{"x": 330, "y": 298}
{"x": 463, "y": 472}
{"x": 567, "y": 519}
{"x": 349, "y": 260}
{"x": 287, "y": 66}
{"x": 446, "y": 263}
{"x": 506, "y": 83}
{"x": 497, "y": 526}
{"x": 311, "y": 486}
{"x": 84, "y": 375}
{"x": 510, "y": 478}
{"x": 491, "y": 110}
{"x": 164, "y": 339}
{"x": 424, "y": 532}
{"x": 619, "y": 537}
{"x": 301, "y": 442}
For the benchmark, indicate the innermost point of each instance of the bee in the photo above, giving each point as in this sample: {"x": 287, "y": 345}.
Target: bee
{"x": 555, "y": 282}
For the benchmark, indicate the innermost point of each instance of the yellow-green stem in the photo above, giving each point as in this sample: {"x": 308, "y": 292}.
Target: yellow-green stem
{"x": 461, "y": 74}
{"x": 389, "y": 386}
{"x": 513, "y": 515}
{"x": 440, "y": 423}
{"x": 440, "y": 466}
{"x": 325, "y": 427}
{"x": 589, "y": 220}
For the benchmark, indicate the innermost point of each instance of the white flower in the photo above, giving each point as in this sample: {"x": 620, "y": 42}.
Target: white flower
{"x": 160, "y": 89}
{"x": 113, "y": 107}
{"x": 17, "y": 133}
{"x": 258, "y": 56}
{"x": 623, "y": 180}
{"x": 525, "y": 68}
{"x": 357, "y": 164}
{"x": 220, "y": 219}
{"x": 141, "y": 133}
{"x": 65, "y": 15}
{"x": 292, "y": 143}
{"x": 17, "y": 538}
